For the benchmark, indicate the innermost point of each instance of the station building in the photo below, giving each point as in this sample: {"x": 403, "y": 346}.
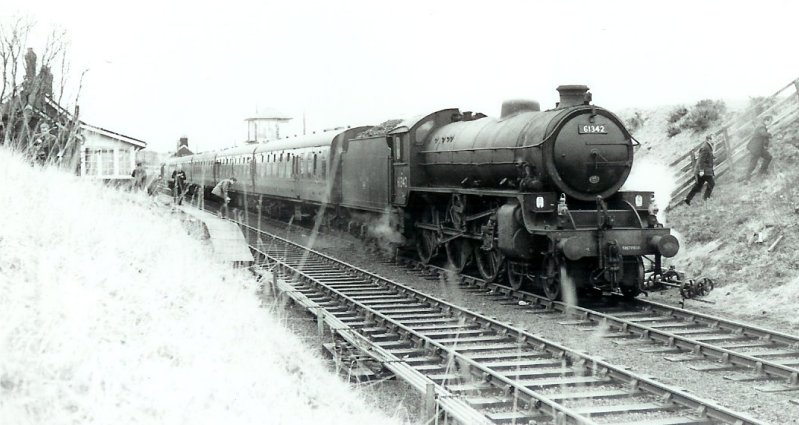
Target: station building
{"x": 107, "y": 155}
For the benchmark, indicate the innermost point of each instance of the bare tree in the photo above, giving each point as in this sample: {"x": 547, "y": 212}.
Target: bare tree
{"x": 33, "y": 119}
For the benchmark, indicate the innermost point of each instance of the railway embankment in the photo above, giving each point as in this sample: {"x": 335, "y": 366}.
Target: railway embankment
{"x": 744, "y": 236}
{"x": 111, "y": 313}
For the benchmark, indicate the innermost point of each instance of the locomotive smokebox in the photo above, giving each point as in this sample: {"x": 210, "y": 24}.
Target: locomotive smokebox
{"x": 511, "y": 107}
{"x": 573, "y": 95}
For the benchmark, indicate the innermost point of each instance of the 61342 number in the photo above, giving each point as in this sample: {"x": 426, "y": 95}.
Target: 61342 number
{"x": 591, "y": 129}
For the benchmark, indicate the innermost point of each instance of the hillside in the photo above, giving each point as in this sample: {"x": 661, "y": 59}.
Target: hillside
{"x": 728, "y": 237}
{"x": 112, "y": 314}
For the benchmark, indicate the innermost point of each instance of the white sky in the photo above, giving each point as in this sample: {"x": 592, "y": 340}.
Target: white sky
{"x": 162, "y": 69}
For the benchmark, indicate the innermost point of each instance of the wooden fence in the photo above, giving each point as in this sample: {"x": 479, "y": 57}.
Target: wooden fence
{"x": 729, "y": 143}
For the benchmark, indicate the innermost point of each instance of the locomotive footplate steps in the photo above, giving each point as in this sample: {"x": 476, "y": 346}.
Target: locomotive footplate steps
{"x": 501, "y": 361}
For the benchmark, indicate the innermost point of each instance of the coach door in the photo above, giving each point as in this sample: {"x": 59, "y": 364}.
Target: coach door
{"x": 400, "y": 167}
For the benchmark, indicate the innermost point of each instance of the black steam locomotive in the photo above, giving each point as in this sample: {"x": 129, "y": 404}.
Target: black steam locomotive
{"x": 532, "y": 196}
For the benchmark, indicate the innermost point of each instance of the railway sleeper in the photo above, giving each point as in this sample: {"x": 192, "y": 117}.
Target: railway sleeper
{"x": 391, "y": 302}
{"x": 422, "y": 360}
{"x": 576, "y": 380}
{"x": 401, "y": 317}
{"x": 425, "y": 323}
{"x": 385, "y": 336}
{"x": 388, "y": 345}
{"x": 523, "y": 363}
{"x": 452, "y": 333}
{"x": 445, "y": 327}
{"x": 539, "y": 374}
{"x": 599, "y": 393}
{"x": 517, "y": 353}
{"x": 625, "y": 409}
{"x": 489, "y": 402}
{"x": 476, "y": 348}
{"x": 382, "y": 297}
{"x": 480, "y": 339}
{"x": 517, "y": 417}
{"x": 410, "y": 310}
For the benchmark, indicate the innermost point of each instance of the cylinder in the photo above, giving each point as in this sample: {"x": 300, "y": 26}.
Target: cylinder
{"x": 666, "y": 245}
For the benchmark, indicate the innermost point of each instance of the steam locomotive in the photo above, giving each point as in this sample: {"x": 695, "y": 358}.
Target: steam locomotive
{"x": 532, "y": 197}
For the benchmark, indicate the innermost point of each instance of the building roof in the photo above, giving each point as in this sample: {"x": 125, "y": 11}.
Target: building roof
{"x": 93, "y": 128}
{"x": 112, "y": 134}
{"x": 183, "y": 151}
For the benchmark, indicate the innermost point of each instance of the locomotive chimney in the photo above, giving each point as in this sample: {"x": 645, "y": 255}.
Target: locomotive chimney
{"x": 510, "y": 107}
{"x": 573, "y": 94}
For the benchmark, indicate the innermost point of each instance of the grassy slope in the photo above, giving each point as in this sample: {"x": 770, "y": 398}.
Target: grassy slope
{"x": 717, "y": 235}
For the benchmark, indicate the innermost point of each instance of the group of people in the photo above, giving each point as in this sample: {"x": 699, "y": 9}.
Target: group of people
{"x": 221, "y": 191}
{"x": 704, "y": 174}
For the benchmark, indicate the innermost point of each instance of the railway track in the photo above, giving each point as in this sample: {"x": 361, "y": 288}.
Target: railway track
{"x": 478, "y": 369}
{"x": 707, "y": 343}
{"x": 723, "y": 345}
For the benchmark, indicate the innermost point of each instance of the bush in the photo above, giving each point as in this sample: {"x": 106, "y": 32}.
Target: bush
{"x": 677, "y": 114}
{"x": 635, "y": 122}
{"x": 673, "y": 130}
{"x": 703, "y": 114}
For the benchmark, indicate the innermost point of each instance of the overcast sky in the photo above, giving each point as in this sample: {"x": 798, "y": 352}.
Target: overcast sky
{"x": 158, "y": 70}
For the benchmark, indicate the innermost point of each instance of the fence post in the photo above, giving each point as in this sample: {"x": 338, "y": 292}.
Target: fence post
{"x": 429, "y": 404}
{"x": 725, "y": 140}
{"x": 320, "y": 322}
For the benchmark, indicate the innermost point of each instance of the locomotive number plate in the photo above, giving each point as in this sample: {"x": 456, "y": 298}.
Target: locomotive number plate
{"x": 591, "y": 129}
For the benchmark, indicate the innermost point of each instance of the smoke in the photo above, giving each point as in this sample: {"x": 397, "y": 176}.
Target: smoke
{"x": 568, "y": 288}
{"x": 651, "y": 174}
{"x": 383, "y": 231}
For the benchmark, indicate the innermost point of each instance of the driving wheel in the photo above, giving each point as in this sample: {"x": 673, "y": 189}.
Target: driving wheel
{"x": 551, "y": 279}
{"x": 489, "y": 263}
{"x": 516, "y": 275}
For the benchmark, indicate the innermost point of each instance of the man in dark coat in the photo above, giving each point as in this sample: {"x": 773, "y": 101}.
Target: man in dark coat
{"x": 703, "y": 171}
{"x": 758, "y": 148}
{"x": 179, "y": 188}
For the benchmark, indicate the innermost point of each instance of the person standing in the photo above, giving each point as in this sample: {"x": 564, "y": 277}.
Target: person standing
{"x": 179, "y": 187}
{"x": 222, "y": 191}
{"x": 758, "y": 148}
{"x": 43, "y": 143}
{"x": 139, "y": 175}
{"x": 703, "y": 171}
